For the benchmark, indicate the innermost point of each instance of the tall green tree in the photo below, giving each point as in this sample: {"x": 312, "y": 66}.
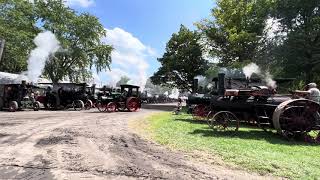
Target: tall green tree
{"x": 182, "y": 61}
{"x": 18, "y": 28}
{"x": 299, "y": 54}
{"x": 80, "y": 36}
{"x": 234, "y": 33}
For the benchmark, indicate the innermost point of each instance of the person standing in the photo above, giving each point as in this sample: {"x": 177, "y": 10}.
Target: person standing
{"x": 313, "y": 92}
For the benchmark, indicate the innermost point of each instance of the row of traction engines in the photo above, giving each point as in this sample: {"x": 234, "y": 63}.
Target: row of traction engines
{"x": 59, "y": 96}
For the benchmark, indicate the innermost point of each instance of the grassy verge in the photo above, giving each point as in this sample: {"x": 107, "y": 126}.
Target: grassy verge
{"x": 251, "y": 148}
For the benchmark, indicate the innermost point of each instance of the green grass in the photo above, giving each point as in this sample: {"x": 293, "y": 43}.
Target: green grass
{"x": 250, "y": 149}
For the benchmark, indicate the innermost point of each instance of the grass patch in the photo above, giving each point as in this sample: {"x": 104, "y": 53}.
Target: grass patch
{"x": 250, "y": 148}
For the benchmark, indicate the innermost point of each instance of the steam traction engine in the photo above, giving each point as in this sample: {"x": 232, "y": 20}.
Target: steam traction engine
{"x": 17, "y": 97}
{"x": 127, "y": 99}
{"x": 260, "y": 105}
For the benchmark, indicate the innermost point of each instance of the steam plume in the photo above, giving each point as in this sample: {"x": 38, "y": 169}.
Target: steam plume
{"x": 174, "y": 94}
{"x": 47, "y": 44}
{"x": 251, "y": 68}
{"x": 266, "y": 77}
{"x": 270, "y": 82}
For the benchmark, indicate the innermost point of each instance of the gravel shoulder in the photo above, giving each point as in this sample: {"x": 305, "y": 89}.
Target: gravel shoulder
{"x": 91, "y": 145}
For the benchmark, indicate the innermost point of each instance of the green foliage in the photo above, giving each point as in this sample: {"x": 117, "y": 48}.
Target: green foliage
{"x": 251, "y": 148}
{"x": 300, "y": 52}
{"x": 17, "y": 27}
{"x": 182, "y": 61}
{"x": 235, "y": 32}
{"x": 80, "y": 36}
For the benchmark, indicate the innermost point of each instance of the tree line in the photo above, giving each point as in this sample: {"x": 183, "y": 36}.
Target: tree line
{"x": 80, "y": 34}
{"x": 237, "y": 33}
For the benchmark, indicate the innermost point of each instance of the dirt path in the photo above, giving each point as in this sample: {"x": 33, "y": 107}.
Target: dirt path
{"x": 90, "y": 145}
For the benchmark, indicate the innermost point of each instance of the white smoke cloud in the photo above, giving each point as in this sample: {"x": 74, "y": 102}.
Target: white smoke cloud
{"x": 129, "y": 57}
{"x": 47, "y": 44}
{"x": 174, "y": 94}
{"x": 166, "y": 93}
{"x": 266, "y": 76}
{"x": 250, "y": 69}
{"x": 269, "y": 80}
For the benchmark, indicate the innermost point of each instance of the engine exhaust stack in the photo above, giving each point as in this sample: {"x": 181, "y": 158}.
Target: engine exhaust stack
{"x": 221, "y": 87}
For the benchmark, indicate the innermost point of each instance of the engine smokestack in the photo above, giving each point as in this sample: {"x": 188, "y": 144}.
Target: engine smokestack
{"x": 195, "y": 85}
{"x": 221, "y": 88}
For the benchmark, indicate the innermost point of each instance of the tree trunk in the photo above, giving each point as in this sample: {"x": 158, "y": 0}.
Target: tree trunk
{"x": 2, "y": 42}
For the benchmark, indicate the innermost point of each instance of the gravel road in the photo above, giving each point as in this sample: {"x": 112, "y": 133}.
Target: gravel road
{"x": 91, "y": 145}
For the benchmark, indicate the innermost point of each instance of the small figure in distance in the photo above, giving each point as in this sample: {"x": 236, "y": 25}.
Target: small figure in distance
{"x": 178, "y": 109}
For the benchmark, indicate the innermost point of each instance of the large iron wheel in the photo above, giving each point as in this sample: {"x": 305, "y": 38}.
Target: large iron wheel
{"x": 102, "y": 107}
{"x": 224, "y": 121}
{"x": 209, "y": 117}
{"x": 13, "y": 106}
{"x": 296, "y": 118}
{"x": 88, "y": 105}
{"x": 132, "y": 104}
{"x": 78, "y": 105}
{"x": 36, "y": 106}
{"x": 111, "y": 107}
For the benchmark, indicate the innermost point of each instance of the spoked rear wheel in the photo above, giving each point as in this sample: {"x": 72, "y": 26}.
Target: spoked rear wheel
{"x": 224, "y": 121}
{"x": 78, "y": 105}
{"x": 13, "y": 106}
{"x": 102, "y": 107}
{"x": 111, "y": 107}
{"x": 209, "y": 118}
{"x": 132, "y": 104}
{"x": 298, "y": 118}
{"x": 88, "y": 105}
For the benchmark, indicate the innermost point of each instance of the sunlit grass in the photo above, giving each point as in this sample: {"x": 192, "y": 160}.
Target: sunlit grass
{"x": 250, "y": 148}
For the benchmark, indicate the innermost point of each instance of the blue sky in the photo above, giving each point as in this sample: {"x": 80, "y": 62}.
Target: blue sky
{"x": 148, "y": 23}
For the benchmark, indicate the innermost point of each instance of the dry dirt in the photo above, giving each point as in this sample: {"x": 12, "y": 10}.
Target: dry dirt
{"x": 91, "y": 145}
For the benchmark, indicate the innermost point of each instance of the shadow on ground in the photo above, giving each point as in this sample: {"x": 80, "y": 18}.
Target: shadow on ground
{"x": 251, "y": 132}
{"x": 169, "y": 107}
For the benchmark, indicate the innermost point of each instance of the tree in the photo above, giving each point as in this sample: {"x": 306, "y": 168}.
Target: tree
{"x": 18, "y": 28}
{"x": 299, "y": 54}
{"x": 80, "y": 37}
{"x": 123, "y": 80}
{"x": 182, "y": 61}
{"x": 234, "y": 34}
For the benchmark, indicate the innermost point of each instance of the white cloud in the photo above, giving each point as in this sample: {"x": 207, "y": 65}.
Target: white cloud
{"x": 81, "y": 3}
{"x": 129, "y": 57}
